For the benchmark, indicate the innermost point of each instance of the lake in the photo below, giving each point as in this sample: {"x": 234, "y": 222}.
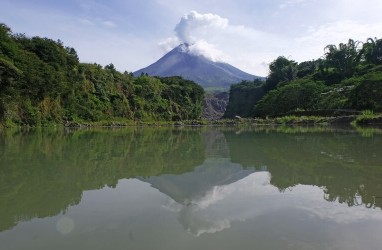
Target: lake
{"x": 191, "y": 188}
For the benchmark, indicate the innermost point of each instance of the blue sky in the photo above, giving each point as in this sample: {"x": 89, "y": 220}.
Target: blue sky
{"x": 249, "y": 34}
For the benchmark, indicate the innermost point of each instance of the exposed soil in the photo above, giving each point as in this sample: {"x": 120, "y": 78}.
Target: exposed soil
{"x": 215, "y": 105}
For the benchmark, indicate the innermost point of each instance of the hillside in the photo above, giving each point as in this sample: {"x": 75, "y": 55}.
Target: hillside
{"x": 347, "y": 77}
{"x": 42, "y": 82}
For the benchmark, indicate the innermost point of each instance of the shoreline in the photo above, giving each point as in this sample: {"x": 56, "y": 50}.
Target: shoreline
{"x": 350, "y": 120}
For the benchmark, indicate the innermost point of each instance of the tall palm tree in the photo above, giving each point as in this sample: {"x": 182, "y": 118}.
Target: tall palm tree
{"x": 344, "y": 58}
{"x": 372, "y": 51}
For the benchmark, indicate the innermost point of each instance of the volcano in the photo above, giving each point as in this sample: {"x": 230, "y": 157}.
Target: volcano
{"x": 207, "y": 73}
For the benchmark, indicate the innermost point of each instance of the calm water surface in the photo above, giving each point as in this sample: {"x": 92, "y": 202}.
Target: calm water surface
{"x": 190, "y": 188}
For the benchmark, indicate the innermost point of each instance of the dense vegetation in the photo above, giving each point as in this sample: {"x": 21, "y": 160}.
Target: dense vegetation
{"x": 243, "y": 97}
{"x": 348, "y": 76}
{"x": 42, "y": 82}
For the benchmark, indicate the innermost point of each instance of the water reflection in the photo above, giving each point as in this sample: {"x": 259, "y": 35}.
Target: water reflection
{"x": 254, "y": 197}
{"x": 194, "y": 193}
{"x": 43, "y": 173}
{"x": 212, "y": 177}
{"x": 346, "y": 165}
{"x": 199, "y": 190}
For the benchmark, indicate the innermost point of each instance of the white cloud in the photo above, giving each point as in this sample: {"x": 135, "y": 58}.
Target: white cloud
{"x": 109, "y": 24}
{"x": 246, "y": 34}
{"x": 207, "y": 50}
{"x": 312, "y": 43}
{"x": 253, "y": 49}
{"x": 338, "y": 31}
{"x": 291, "y": 3}
{"x": 100, "y": 23}
{"x": 169, "y": 43}
{"x": 215, "y": 38}
{"x": 85, "y": 21}
{"x": 195, "y": 24}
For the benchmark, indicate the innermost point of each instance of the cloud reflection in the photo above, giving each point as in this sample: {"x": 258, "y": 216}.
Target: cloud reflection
{"x": 254, "y": 196}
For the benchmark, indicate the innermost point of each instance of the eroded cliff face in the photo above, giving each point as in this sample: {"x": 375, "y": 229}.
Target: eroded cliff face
{"x": 215, "y": 105}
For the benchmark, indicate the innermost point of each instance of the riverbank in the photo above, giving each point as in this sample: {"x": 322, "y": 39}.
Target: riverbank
{"x": 367, "y": 118}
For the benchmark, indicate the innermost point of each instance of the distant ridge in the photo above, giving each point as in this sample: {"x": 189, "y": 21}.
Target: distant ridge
{"x": 209, "y": 74}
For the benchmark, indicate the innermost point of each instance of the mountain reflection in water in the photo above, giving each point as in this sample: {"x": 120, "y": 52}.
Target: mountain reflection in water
{"x": 213, "y": 177}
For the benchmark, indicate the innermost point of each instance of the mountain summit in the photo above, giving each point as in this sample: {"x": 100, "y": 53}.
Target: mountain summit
{"x": 209, "y": 74}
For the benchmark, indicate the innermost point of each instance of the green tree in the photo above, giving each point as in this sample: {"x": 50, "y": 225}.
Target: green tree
{"x": 372, "y": 51}
{"x": 42, "y": 82}
{"x": 367, "y": 95}
{"x": 282, "y": 70}
{"x": 299, "y": 94}
{"x": 243, "y": 97}
{"x": 344, "y": 58}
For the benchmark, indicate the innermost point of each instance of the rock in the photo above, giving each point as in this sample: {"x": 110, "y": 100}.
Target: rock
{"x": 215, "y": 105}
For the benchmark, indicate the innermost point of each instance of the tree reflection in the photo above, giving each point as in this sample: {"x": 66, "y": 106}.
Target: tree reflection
{"x": 42, "y": 173}
{"x": 346, "y": 165}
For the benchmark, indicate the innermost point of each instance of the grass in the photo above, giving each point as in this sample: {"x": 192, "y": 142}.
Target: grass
{"x": 305, "y": 120}
{"x": 368, "y": 117}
